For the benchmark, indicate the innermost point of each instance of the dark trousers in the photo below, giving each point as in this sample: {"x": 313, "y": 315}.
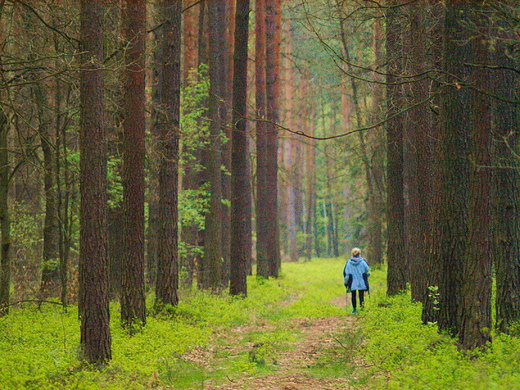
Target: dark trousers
{"x": 361, "y": 298}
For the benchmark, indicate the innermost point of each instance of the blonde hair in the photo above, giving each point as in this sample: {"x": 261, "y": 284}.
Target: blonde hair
{"x": 356, "y": 251}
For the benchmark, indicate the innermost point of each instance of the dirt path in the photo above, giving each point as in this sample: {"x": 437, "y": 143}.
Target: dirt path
{"x": 317, "y": 336}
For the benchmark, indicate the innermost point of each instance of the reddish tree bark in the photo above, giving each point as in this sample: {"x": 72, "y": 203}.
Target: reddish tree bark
{"x": 262, "y": 254}
{"x": 396, "y": 281}
{"x": 170, "y": 79}
{"x": 133, "y": 305}
{"x": 93, "y": 275}
{"x": 241, "y": 181}
{"x": 272, "y": 68}
{"x": 475, "y": 309}
{"x": 420, "y": 188}
{"x": 212, "y": 271}
{"x": 455, "y": 111}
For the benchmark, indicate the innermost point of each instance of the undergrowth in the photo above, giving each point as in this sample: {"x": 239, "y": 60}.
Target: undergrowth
{"x": 40, "y": 346}
{"x": 187, "y": 348}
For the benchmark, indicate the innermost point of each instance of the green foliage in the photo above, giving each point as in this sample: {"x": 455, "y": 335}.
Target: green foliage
{"x": 194, "y": 120}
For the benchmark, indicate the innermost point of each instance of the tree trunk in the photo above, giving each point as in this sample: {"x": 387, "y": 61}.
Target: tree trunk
{"x": 93, "y": 300}
{"x": 167, "y": 256}
{"x": 420, "y": 188}
{"x": 212, "y": 277}
{"x": 475, "y": 310}
{"x": 435, "y": 240}
{"x": 456, "y": 109}
{"x": 262, "y": 253}
{"x": 241, "y": 243}
{"x": 395, "y": 198}
{"x": 50, "y": 280}
{"x": 226, "y": 43}
{"x": 273, "y": 29}
{"x": 133, "y": 305}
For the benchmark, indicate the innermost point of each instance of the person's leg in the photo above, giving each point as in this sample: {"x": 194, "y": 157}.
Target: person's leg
{"x": 362, "y": 298}
{"x": 354, "y": 303}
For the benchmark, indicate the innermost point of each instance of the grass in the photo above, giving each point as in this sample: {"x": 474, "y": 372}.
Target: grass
{"x": 40, "y": 346}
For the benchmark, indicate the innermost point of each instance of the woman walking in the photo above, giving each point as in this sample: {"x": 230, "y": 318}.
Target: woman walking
{"x": 355, "y": 278}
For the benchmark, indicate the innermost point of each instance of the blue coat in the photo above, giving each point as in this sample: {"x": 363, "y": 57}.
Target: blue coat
{"x": 355, "y": 274}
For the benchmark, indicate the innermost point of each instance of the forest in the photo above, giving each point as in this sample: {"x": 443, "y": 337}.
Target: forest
{"x": 162, "y": 159}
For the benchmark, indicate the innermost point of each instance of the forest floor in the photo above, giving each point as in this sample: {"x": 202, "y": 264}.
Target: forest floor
{"x": 316, "y": 337}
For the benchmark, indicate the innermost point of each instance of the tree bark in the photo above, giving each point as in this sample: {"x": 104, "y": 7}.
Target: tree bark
{"x": 394, "y": 132}
{"x": 93, "y": 275}
{"x": 167, "y": 256}
{"x": 262, "y": 254}
{"x": 241, "y": 243}
{"x": 475, "y": 310}
{"x": 456, "y": 106}
{"x": 212, "y": 278}
{"x": 273, "y": 15}
{"x": 420, "y": 188}
{"x": 133, "y": 305}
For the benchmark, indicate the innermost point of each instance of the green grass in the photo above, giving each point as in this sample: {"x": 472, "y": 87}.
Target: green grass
{"x": 39, "y": 347}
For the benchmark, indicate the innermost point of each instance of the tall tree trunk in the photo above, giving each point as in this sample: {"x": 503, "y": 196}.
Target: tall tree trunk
{"x": 167, "y": 256}
{"x": 475, "y": 310}
{"x": 435, "y": 240}
{"x": 63, "y": 192}
{"x": 213, "y": 230}
{"x": 456, "y": 108}
{"x": 262, "y": 253}
{"x": 226, "y": 42}
{"x": 375, "y": 172}
{"x": 93, "y": 300}
{"x": 420, "y": 187}
{"x": 133, "y": 305}
{"x": 273, "y": 30}
{"x": 241, "y": 181}
{"x": 50, "y": 279}
{"x": 395, "y": 198}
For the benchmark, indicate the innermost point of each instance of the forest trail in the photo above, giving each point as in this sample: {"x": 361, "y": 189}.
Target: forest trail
{"x": 316, "y": 336}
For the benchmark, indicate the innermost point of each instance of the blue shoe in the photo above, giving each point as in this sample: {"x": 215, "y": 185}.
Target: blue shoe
{"x": 354, "y": 311}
